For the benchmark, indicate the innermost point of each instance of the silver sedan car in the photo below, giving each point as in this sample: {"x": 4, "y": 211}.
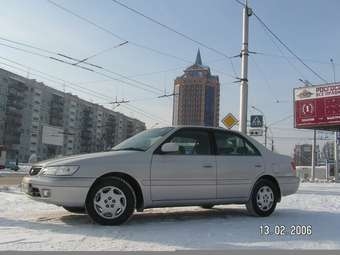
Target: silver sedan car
{"x": 163, "y": 167}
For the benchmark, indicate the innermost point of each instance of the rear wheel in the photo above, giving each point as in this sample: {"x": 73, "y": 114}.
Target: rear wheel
{"x": 80, "y": 210}
{"x": 111, "y": 201}
{"x": 263, "y": 198}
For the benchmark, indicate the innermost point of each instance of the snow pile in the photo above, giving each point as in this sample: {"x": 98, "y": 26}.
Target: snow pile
{"x": 30, "y": 225}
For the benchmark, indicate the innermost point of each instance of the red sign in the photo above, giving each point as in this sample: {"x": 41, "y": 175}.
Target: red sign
{"x": 317, "y": 107}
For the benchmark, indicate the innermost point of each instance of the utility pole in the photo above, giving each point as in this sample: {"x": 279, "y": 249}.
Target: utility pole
{"x": 313, "y": 155}
{"x": 272, "y": 144}
{"x": 307, "y": 83}
{"x": 265, "y": 135}
{"x": 336, "y": 157}
{"x": 336, "y": 136}
{"x": 244, "y": 70}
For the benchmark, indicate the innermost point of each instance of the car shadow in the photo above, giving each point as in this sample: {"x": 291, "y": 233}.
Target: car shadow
{"x": 216, "y": 228}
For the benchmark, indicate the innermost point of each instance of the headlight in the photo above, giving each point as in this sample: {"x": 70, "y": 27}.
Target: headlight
{"x": 59, "y": 170}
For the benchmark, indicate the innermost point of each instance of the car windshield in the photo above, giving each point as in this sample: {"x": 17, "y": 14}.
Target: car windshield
{"x": 143, "y": 140}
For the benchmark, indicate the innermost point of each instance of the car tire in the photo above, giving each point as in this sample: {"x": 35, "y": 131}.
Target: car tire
{"x": 207, "y": 206}
{"x": 263, "y": 198}
{"x": 110, "y": 201}
{"x": 79, "y": 210}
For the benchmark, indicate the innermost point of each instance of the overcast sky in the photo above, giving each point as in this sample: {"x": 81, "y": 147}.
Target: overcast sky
{"x": 309, "y": 27}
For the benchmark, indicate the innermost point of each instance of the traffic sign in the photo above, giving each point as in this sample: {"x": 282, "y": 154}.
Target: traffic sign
{"x": 256, "y": 121}
{"x": 256, "y": 132}
{"x": 229, "y": 120}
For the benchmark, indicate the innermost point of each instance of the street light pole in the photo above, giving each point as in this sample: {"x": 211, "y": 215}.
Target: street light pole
{"x": 244, "y": 70}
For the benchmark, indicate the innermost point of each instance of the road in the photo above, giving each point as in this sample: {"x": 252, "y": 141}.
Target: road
{"x": 29, "y": 225}
{"x": 13, "y": 179}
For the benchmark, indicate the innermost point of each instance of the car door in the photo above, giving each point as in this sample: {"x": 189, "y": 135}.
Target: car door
{"x": 187, "y": 174}
{"x": 239, "y": 163}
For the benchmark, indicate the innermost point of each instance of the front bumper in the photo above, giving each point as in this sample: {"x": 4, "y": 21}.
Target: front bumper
{"x": 63, "y": 191}
{"x": 288, "y": 184}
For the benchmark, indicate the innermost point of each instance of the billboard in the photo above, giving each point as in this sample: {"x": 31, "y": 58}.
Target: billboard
{"x": 52, "y": 135}
{"x": 317, "y": 107}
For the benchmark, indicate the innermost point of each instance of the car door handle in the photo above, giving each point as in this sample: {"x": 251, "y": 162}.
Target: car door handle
{"x": 207, "y": 166}
{"x": 258, "y": 165}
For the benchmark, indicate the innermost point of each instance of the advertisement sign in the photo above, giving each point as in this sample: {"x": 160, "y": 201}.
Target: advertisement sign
{"x": 52, "y": 135}
{"x": 317, "y": 107}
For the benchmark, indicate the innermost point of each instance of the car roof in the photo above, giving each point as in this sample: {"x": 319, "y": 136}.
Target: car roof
{"x": 205, "y": 127}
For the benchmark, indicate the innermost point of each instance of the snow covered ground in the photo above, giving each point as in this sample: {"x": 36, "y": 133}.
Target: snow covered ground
{"x": 29, "y": 225}
{"x": 23, "y": 170}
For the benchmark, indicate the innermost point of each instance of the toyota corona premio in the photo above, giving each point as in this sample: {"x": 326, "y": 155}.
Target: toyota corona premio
{"x": 164, "y": 167}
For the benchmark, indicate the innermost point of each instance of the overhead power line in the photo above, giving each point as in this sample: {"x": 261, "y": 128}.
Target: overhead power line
{"x": 287, "y": 48}
{"x": 108, "y": 31}
{"x": 87, "y": 91}
{"x": 178, "y": 33}
{"x": 52, "y": 78}
{"x": 142, "y": 85}
{"x": 265, "y": 80}
{"x": 284, "y": 44}
{"x": 71, "y": 58}
{"x": 283, "y": 56}
{"x": 130, "y": 42}
{"x": 138, "y": 45}
{"x": 101, "y": 52}
{"x": 280, "y": 120}
{"x": 146, "y": 114}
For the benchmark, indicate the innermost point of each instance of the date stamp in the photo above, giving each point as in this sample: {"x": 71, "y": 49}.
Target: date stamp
{"x": 283, "y": 230}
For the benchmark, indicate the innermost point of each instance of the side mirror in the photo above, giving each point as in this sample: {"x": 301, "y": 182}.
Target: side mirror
{"x": 170, "y": 147}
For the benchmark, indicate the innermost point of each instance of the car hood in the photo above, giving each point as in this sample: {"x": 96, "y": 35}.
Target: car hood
{"x": 75, "y": 159}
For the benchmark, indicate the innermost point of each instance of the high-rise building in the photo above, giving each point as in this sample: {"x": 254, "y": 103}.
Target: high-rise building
{"x": 38, "y": 120}
{"x": 197, "y": 96}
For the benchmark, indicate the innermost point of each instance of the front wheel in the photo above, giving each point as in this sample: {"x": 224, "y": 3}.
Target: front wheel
{"x": 111, "y": 201}
{"x": 263, "y": 198}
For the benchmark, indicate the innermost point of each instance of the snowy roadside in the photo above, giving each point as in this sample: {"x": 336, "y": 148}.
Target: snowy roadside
{"x": 23, "y": 170}
{"x": 30, "y": 225}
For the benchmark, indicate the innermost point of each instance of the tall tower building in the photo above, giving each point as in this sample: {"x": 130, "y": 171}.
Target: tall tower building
{"x": 197, "y": 96}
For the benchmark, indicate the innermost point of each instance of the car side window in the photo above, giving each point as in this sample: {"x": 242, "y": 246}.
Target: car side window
{"x": 192, "y": 142}
{"x": 234, "y": 145}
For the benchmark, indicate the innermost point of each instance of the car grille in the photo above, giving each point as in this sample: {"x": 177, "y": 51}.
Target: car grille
{"x": 34, "y": 170}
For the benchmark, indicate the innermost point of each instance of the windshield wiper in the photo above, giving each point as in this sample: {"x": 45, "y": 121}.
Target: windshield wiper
{"x": 129, "y": 149}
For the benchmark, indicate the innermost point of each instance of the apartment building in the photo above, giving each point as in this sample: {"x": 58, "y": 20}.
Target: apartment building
{"x": 39, "y": 120}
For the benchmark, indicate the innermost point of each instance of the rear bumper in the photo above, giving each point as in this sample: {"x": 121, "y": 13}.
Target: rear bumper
{"x": 62, "y": 191}
{"x": 288, "y": 184}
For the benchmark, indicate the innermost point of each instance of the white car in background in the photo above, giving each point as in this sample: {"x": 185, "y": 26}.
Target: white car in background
{"x": 162, "y": 167}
